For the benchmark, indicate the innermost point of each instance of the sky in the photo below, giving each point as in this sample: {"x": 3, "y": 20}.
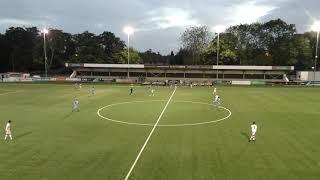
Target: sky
{"x": 158, "y": 23}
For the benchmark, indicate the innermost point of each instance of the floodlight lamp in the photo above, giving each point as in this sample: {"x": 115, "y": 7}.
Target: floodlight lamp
{"x": 128, "y": 30}
{"x": 45, "y": 31}
{"x": 316, "y": 26}
{"x": 219, "y": 29}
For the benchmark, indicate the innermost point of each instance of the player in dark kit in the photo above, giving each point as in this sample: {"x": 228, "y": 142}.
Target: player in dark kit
{"x": 131, "y": 89}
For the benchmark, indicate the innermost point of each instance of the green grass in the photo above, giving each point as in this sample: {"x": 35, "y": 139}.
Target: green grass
{"x": 52, "y": 143}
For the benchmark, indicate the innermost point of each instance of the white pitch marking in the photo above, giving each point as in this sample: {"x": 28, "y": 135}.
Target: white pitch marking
{"x": 146, "y": 142}
{"x": 163, "y": 125}
{"x": 13, "y": 92}
{"x": 123, "y": 122}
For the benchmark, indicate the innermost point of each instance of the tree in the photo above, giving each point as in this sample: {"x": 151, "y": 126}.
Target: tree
{"x": 196, "y": 40}
{"x": 250, "y": 44}
{"x": 171, "y": 58}
{"x": 150, "y": 57}
{"x": 227, "y": 51}
{"x": 4, "y": 54}
{"x": 112, "y": 47}
{"x": 183, "y": 57}
{"x": 88, "y": 49}
{"x": 263, "y": 43}
{"x": 275, "y": 30}
{"x": 271, "y": 43}
{"x": 57, "y": 43}
{"x": 279, "y": 38}
{"x": 134, "y": 56}
{"x": 300, "y": 53}
{"x": 60, "y": 49}
{"x": 21, "y": 42}
{"x": 242, "y": 32}
{"x": 312, "y": 38}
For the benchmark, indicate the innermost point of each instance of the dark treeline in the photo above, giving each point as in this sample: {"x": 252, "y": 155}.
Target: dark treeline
{"x": 271, "y": 43}
{"x": 21, "y": 49}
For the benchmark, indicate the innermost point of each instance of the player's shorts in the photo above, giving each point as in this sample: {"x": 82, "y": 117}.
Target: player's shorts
{"x": 254, "y": 133}
{"x": 8, "y": 132}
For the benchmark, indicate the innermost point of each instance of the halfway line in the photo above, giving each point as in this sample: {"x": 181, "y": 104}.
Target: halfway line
{"x": 146, "y": 142}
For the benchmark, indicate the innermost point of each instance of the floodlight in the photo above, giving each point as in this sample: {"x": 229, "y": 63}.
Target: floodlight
{"x": 45, "y": 31}
{"x": 219, "y": 29}
{"x": 316, "y": 26}
{"x": 128, "y": 30}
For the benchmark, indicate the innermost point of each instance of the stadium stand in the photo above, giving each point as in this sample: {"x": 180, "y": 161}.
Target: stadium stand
{"x": 186, "y": 73}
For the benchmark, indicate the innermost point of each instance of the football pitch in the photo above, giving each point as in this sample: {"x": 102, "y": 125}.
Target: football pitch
{"x": 175, "y": 135}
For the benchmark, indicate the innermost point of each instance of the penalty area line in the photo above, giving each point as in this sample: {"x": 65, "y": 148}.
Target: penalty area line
{"x": 148, "y": 138}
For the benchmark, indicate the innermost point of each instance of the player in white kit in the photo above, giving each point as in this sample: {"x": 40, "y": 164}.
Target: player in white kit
{"x": 8, "y": 130}
{"x": 93, "y": 91}
{"x": 152, "y": 92}
{"x": 217, "y": 100}
{"x": 254, "y": 128}
{"x": 75, "y": 86}
{"x": 76, "y": 105}
{"x": 214, "y": 91}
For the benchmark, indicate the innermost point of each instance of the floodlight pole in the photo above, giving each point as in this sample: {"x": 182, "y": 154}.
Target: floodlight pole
{"x": 45, "y": 54}
{"x": 218, "y": 49}
{"x": 128, "y": 53}
{"x": 316, "y": 57}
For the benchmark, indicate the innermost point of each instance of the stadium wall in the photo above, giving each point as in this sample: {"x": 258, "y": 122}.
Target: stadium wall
{"x": 308, "y": 75}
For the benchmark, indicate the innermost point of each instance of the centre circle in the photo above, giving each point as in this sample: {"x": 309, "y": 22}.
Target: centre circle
{"x": 141, "y": 110}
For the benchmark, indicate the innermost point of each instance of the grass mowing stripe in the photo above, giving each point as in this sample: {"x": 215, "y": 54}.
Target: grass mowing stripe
{"x": 146, "y": 142}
